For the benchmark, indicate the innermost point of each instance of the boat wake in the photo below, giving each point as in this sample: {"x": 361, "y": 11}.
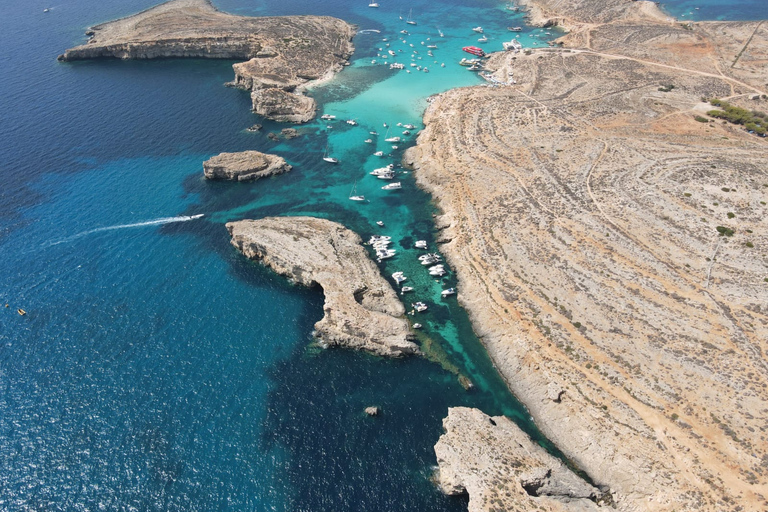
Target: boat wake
{"x": 156, "y": 222}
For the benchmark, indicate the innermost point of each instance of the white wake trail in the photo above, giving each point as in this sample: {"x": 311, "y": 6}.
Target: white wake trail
{"x": 155, "y": 222}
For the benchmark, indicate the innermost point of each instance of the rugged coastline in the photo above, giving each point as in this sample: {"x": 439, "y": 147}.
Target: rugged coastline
{"x": 361, "y": 309}
{"x": 579, "y": 210}
{"x": 283, "y": 54}
{"x": 244, "y": 166}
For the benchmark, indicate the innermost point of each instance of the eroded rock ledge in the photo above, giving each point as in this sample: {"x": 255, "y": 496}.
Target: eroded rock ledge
{"x": 502, "y": 469}
{"x": 361, "y": 309}
{"x": 283, "y": 53}
{"x": 244, "y": 166}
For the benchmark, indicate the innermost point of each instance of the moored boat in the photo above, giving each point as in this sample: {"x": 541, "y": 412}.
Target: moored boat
{"x": 474, "y": 50}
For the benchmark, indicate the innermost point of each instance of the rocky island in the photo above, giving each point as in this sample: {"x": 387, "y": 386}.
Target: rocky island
{"x": 244, "y": 166}
{"x": 282, "y": 53}
{"x": 610, "y": 240}
{"x": 361, "y": 309}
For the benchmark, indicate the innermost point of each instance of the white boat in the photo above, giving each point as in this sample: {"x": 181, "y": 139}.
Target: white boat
{"x": 329, "y": 159}
{"x": 437, "y": 272}
{"x": 394, "y": 147}
{"x": 378, "y": 153}
{"x": 327, "y": 117}
{"x": 352, "y": 122}
{"x": 515, "y": 29}
{"x": 380, "y": 223}
{"x": 479, "y": 30}
{"x": 406, "y": 289}
{"x": 383, "y": 170}
{"x": 409, "y": 20}
{"x": 399, "y": 277}
{"x": 386, "y": 176}
{"x": 406, "y": 132}
{"x": 513, "y": 45}
{"x": 353, "y": 196}
{"x": 419, "y": 306}
{"x": 420, "y": 244}
{"x": 392, "y": 139}
{"x": 396, "y": 65}
{"x": 378, "y": 238}
{"x": 449, "y": 291}
{"x": 432, "y": 46}
{"x": 483, "y": 39}
{"x": 374, "y": 133}
{"x": 391, "y": 52}
{"x": 417, "y": 326}
{"x": 369, "y": 141}
{"x": 385, "y": 254}
{"x": 409, "y": 126}
{"x": 392, "y": 186}
{"x": 373, "y": 4}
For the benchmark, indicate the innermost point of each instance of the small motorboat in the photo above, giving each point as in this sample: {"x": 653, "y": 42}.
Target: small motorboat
{"x": 421, "y": 244}
{"x": 21, "y": 312}
{"x": 378, "y": 153}
{"x": 373, "y": 4}
{"x": 406, "y": 289}
{"x": 392, "y": 186}
{"x": 417, "y": 326}
{"x": 515, "y": 29}
{"x": 327, "y": 117}
{"x": 399, "y": 277}
{"x": 409, "y": 126}
{"x": 351, "y": 122}
{"x": 419, "y": 306}
{"x": 483, "y": 39}
{"x": 369, "y": 141}
{"x": 448, "y": 292}
{"x": 479, "y": 30}
{"x": 380, "y": 223}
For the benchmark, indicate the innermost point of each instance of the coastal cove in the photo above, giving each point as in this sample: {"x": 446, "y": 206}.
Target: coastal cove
{"x": 156, "y": 368}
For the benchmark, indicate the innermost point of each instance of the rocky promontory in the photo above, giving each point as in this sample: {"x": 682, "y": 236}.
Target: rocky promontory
{"x": 361, "y": 309}
{"x": 609, "y": 236}
{"x": 244, "y": 166}
{"x": 502, "y": 469}
{"x": 283, "y": 53}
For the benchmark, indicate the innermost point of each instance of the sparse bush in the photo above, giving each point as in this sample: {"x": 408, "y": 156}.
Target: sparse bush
{"x": 749, "y": 244}
{"x": 701, "y": 119}
{"x": 730, "y": 215}
{"x": 724, "y": 231}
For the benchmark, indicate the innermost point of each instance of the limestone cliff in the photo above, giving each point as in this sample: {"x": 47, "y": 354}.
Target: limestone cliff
{"x": 361, "y": 309}
{"x": 283, "y": 53}
{"x": 583, "y": 210}
{"x": 502, "y": 469}
{"x": 244, "y": 166}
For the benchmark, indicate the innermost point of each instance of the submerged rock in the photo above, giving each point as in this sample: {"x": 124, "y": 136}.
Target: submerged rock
{"x": 244, "y": 166}
{"x": 361, "y": 309}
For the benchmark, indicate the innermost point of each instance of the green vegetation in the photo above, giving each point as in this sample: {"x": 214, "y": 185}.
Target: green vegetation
{"x": 731, "y": 215}
{"x": 724, "y": 231}
{"x": 701, "y": 119}
{"x": 753, "y": 121}
{"x": 666, "y": 88}
{"x": 749, "y": 244}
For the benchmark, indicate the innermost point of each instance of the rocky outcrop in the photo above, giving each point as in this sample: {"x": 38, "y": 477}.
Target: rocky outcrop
{"x": 580, "y": 210}
{"x": 361, "y": 309}
{"x": 502, "y": 469}
{"x": 283, "y": 53}
{"x": 244, "y": 166}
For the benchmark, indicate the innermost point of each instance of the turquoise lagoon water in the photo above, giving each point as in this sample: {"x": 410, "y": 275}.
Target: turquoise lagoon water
{"x": 157, "y": 369}
{"x": 701, "y": 10}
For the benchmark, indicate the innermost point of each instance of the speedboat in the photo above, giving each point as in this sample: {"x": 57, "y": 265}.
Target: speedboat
{"x": 483, "y": 39}
{"x": 369, "y": 141}
{"x": 352, "y": 122}
{"x": 405, "y": 289}
{"x": 382, "y": 170}
{"x": 392, "y": 139}
{"x": 409, "y": 126}
{"x": 373, "y": 4}
{"x": 386, "y": 176}
{"x": 432, "y": 46}
{"x": 438, "y": 272}
{"x": 399, "y": 277}
{"x": 21, "y": 312}
{"x": 420, "y": 244}
{"x": 417, "y": 326}
{"x": 449, "y": 291}
{"x": 515, "y": 29}
{"x": 419, "y": 306}
{"x": 327, "y": 117}
{"x": 380, "y": 223}
{"x": 392, "y": 186}
{"x": 378, "y": 153}
{"x": 479, "y": 30}
{"x": 406, "y": 132}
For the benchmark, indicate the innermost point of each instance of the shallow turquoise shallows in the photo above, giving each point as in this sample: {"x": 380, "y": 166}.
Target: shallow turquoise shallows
{"x": 156, "y": 368}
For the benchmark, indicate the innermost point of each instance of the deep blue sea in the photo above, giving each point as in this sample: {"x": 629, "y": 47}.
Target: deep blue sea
{"x": 156, "y": 368}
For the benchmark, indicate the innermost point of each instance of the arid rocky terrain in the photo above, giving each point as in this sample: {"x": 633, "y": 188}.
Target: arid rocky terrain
{"x": 244, "y": 166}
{"x": 361, "y": 309}
{"x": 584, "y": 209}
{"x": 282, "y": 53}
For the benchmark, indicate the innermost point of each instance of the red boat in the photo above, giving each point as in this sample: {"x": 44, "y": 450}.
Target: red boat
{"x": 474, "y": 50}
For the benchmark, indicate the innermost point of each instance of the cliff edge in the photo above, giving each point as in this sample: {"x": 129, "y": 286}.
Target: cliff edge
{"x": 283, "y": 53}
{"x": 361, "y": 309}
